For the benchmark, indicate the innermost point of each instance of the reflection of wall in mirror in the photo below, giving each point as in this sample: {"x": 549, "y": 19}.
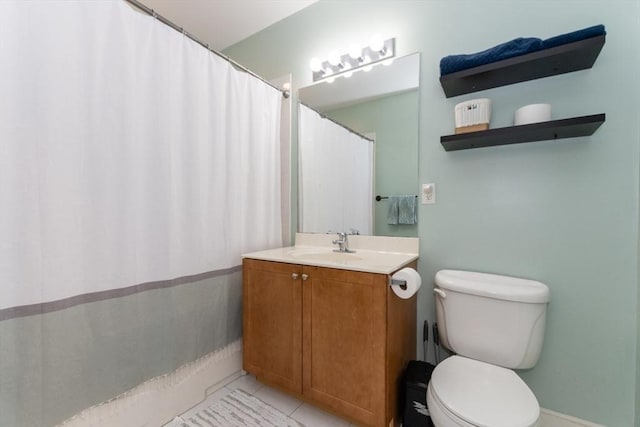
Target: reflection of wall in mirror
{"x": 394, "y": 120}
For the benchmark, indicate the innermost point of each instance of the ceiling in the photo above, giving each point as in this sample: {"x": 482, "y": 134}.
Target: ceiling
{"x": 222, "y": 23}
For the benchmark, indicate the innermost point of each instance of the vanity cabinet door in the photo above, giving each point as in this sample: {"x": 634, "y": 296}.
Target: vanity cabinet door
{"x": 272, "y": 329}
{"x": 344, "y": 335}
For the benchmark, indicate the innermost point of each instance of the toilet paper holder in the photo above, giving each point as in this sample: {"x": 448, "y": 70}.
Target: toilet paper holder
{"x": 405, "y": 283}
{"x": 396, "y": 282}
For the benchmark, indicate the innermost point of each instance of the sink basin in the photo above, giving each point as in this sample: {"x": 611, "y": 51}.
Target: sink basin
{"x": 324, "y": 255}
{"x": 374, "y": 254}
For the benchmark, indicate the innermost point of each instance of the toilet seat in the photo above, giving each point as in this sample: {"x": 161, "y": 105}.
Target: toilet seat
{"x": 468, "y": 392}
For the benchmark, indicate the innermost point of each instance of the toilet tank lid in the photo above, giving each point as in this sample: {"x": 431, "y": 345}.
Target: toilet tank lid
{"x": 493, "y": 286}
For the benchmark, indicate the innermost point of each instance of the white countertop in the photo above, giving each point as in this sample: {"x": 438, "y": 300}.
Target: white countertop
{"x": 373, "y": 254}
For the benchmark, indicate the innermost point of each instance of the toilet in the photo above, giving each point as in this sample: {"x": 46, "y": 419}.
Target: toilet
{"x": 493, "y": 324}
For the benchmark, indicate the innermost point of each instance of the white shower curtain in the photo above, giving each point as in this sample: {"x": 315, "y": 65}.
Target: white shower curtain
{"x": 135, "y": 168}
{"x": 128, "y": 153}
{"x": 335, "y": 176}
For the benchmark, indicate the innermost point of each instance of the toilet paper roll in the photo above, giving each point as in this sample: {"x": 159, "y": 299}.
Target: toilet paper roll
{"x": 533, "y": 113}
{"x": 413, "y": 280}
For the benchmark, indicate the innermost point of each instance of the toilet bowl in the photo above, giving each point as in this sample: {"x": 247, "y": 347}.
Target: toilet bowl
{"x": 493, "y": 324}
{"x": 468, "y": 393}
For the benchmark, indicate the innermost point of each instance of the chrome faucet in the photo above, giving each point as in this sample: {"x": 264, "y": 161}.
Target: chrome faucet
{"x": 343, "y": 243}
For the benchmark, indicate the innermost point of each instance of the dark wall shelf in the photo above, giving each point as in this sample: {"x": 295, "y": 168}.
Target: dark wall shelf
{"x": 562, "y": 59}
{"x": 554, "y": 129}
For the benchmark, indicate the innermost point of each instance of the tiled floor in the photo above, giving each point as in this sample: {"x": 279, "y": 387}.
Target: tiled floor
{"x": 306, "y": 414}
{"x": 311, "y": 416}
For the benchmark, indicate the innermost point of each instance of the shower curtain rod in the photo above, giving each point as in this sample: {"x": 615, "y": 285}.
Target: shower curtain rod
{"x": 336, "y": 123}
{"x": 180, "y": 29}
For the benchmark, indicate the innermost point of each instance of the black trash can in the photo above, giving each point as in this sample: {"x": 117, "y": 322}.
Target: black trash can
{"x": 416, "y": 380}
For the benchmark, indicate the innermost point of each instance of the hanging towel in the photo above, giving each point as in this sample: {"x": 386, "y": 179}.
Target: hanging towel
{"x": 407, "y": 210}
{"x": 402, "y": 210}
{"x": 392, "y": 210}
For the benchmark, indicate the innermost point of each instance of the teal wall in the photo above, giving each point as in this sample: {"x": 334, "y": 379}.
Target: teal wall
{"x": 394, "y": 120}
{"x": 564, "y": 213}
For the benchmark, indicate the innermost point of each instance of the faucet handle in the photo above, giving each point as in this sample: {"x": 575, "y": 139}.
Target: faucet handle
{"x": 341, "y": 240}
{"x": 353, "y": 231}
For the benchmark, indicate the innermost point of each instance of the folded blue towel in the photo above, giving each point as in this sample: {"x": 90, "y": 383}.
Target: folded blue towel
{"x": 585, "y": 33}
{"x": 516, "y": 47}
{"x": 402, "y": 210}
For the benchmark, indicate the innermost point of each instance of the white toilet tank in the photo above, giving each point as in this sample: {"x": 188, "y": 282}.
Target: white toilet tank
{"x": 494, "y": 319}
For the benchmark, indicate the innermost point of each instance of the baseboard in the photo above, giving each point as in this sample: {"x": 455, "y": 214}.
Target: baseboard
{"x": 157, "y": 401}
{"x": 550, "y": 418}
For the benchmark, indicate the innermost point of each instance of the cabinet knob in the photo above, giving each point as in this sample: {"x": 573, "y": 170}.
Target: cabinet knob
{"x": 294, "y": 276}
{"x": 305, "y": 276}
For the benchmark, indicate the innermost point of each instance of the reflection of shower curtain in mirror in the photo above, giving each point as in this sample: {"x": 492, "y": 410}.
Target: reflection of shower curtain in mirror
{"x": 335, "y": 176}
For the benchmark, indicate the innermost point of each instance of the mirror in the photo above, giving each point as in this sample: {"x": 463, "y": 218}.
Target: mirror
{"x": 382, "y": 105}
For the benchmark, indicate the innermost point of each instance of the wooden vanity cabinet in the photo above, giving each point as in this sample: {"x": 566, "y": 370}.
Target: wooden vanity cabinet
{"x": 337, "y": 338}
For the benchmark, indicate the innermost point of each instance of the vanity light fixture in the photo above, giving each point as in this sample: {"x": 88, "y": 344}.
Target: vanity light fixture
{"x": 358, "y": 57}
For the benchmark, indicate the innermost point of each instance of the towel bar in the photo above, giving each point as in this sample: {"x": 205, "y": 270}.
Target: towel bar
{"x": 378, "y": 198}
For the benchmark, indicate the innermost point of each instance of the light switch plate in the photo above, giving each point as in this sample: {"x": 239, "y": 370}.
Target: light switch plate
{"x": 428, "y": 193}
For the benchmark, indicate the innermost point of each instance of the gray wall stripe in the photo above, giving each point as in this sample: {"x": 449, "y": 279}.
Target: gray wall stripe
{"x": 48, "y": 307}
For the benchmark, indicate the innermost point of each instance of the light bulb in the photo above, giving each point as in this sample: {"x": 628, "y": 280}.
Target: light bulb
{"x": 367, "y": 68}
{"x": 376, "y": 43}
{"x": 387, "y": 62}
{"x": 355, "y": 51}
{"x": 331, "y": 79}
{"x": 366, "y": 60}
{"x": 334, "y": 58}
{"x": 286, "y": 86}
{"x": 347, "y": 68}
{"x": 315, "y": 64}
